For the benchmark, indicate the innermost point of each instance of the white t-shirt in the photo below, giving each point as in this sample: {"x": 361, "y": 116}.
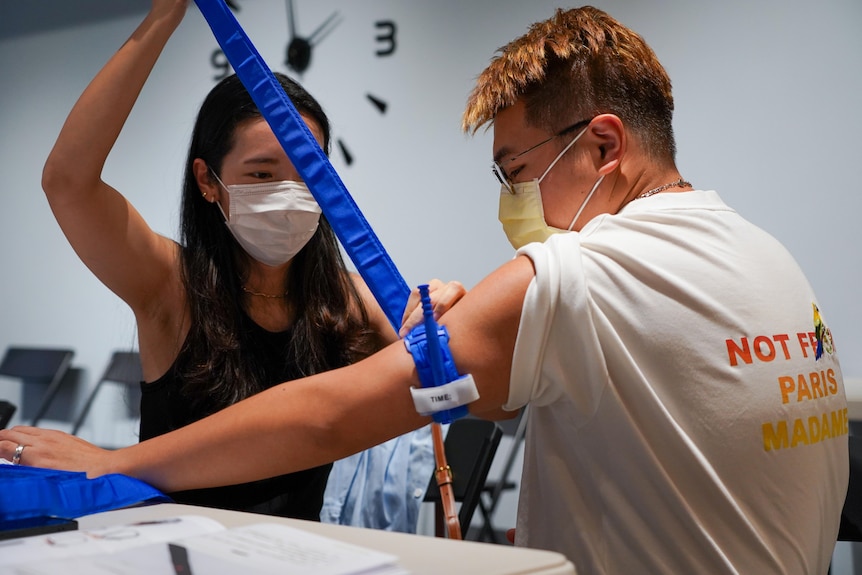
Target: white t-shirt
{"x": 680, "y": 421}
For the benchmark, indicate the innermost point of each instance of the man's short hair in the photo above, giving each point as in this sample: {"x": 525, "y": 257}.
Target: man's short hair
{"x": 574, "y": 66}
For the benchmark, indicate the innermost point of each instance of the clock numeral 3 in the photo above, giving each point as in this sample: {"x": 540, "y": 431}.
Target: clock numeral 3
{"x": 299, "y": 50}
{"x": 386, "y": 37}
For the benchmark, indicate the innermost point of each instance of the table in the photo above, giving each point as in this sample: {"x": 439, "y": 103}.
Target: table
{"x": 420, "y": 554}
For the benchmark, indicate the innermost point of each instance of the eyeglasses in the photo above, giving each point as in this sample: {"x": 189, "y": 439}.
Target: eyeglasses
{"x": 501, "y": 174}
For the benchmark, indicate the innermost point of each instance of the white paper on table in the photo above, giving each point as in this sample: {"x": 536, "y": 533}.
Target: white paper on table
{"x": 64, "y": 545}
{"x": 259, "y": 548}
{"x": 275, "y": 548}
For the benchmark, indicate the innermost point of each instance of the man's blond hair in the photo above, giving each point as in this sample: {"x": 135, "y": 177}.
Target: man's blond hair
{"x": 573, "y": 66}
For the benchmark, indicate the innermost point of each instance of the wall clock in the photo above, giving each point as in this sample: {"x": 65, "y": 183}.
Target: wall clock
{"x": 304, "y": 55}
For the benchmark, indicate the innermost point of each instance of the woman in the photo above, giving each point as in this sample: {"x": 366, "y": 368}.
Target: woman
{"x": 256, "y": 292}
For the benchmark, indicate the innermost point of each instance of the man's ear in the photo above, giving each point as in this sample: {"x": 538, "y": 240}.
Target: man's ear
{"x": 610, "y": 142}
{"x": 209, "y": 188}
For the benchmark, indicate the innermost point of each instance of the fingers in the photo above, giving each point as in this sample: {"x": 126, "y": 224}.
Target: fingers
{"x": 443, "y": 297}
{"x": 7, "y": 450}
{"x": 15, "y": 434}
{"x": 446, "y": 297}
{"x": 413, "y": 310}
{"x": 12, "y": 444}
{"x": 47, "y": 448}
{"x": 413, "y": 305}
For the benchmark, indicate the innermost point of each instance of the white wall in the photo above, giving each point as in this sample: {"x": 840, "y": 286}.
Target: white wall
{"x": 767, "y": 98}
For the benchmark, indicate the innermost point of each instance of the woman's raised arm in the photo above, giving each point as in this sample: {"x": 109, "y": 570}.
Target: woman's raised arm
{"x": 106, "y": 232}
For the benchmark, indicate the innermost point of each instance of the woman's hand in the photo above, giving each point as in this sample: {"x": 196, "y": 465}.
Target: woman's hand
{"x": 53, "y": 450}
{"x": 443, "y": 297}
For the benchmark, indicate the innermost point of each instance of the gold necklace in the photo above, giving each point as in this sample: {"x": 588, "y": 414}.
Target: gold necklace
{"x": 260, "y": 294}
{"x": 680, "y": 183}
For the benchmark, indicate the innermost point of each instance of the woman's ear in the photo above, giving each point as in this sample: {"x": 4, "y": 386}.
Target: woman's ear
{"x": 209, "y": 188}
{"x": 610, "y": 139}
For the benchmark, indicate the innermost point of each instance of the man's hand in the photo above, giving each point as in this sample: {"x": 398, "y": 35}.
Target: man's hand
{"x": 443, "y": 297}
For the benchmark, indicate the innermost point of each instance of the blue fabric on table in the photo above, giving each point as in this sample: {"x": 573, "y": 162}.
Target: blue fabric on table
{"x": 35, "y": 492}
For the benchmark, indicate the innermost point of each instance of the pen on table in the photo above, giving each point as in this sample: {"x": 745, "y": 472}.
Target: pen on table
{"x": 157, "y": 521}
{"x": 180, "y": 559}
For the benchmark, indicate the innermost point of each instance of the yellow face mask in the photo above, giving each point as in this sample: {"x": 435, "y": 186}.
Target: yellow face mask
{"x": 521, "y": 211}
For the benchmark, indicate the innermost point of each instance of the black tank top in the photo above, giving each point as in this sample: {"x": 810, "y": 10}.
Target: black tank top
{"x": 164, "y": 409}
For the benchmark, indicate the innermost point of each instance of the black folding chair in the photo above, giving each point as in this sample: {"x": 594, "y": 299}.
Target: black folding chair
{"x": 124, "y": 368}
{"x": 45, "y": 366}
{"x": 7, "y": 410}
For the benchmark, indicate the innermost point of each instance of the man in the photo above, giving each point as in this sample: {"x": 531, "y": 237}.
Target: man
{"x": 687, "y": 406}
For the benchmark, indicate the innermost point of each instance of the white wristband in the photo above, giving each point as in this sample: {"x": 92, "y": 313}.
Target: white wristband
{"x": 454, "y": 394}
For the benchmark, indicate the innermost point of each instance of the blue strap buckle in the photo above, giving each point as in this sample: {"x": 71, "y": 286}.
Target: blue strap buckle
{"x": 445, "y": 393}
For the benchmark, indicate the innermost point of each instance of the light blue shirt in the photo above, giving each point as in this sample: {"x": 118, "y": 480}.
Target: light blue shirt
{"x": 382, "y": 487}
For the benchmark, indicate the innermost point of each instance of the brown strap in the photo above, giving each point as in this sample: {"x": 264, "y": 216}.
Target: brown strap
{"x": 443, "y": 475}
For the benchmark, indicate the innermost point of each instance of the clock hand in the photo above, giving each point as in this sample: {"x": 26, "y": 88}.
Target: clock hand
{"x": 299, "y": 49}
{"x": 291, "y": 20}
{"x": 322, "y": 29}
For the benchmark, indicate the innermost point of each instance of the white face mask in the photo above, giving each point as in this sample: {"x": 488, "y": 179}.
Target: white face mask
{"x": 522, "y": 214}
{"x": 272, "y": 221}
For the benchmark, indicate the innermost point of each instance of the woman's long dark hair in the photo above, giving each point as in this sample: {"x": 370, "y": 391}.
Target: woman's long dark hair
{"x": 330, "y": 329}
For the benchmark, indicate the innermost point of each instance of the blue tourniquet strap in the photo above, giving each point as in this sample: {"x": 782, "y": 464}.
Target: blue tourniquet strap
{"x": 359, "y": 241}
{"x": 353, "y": 231}
{"x": 35, "y": 492}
